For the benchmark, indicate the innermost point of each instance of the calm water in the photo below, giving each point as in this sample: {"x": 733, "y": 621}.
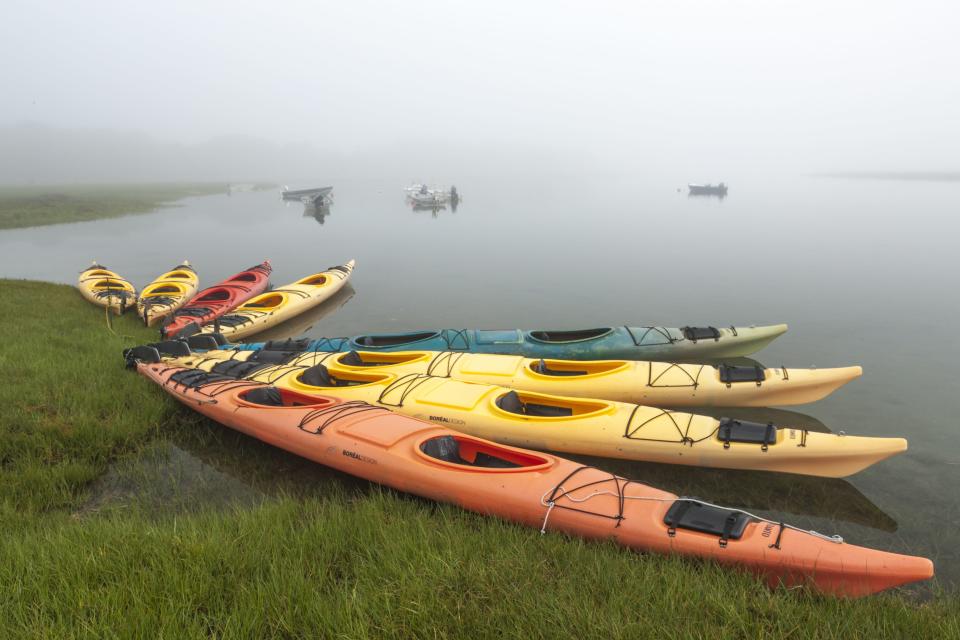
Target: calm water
{"x": 863, "y": 271}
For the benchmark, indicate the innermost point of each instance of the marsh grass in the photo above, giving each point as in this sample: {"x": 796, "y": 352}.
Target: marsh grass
{"x": 313, "y": 554}
{"x": 30, "y": 206}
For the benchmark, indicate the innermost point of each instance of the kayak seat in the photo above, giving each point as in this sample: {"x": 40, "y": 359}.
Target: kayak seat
{"x": 266, "y": 396}
{"x": 196, "y": 312}
{"x": 233, "y": 320}
{"x": 512, "y": 403}
{"x": 172, "y": 348}
{"x": 577, "y": 335}
{"x": 353, "y": 359}
{"x": 195, "y": 378}
{"x": 696, "y": 516}
{"x": 204, "y": 342}
{"x": 541, "y": 368}
{"x": 237, "y": 368}
{"x": 319, "y": 376}
{"x": 290, "y": 344}
{"x": 273, "y": 357}
{"x": 447, "y": 449}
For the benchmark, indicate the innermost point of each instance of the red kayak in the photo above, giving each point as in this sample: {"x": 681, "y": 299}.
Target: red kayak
{"x": 215, "y": 301}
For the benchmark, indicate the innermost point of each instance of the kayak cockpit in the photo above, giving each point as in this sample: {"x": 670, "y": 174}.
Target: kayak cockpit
{"x": 386, "y": 340}
{"x": 319, "y": 376}
{"x": 464, "y": 451}
{"x": 368, "y": 359}
{"x": 543, "y": 406}
{"x": 571, "y": 368}
{"x": 316, "y": 280}
{"x": 575, "y": 335}
{"x": 177, "y": 274}
{"x": 268, "y": 301}
{"x": 214, "y": 295}
{"x": 162, "y": 290}
{"x": 110, "y": 284}
{"x": 243, "y": 277}
{"x": 274, "y": 397}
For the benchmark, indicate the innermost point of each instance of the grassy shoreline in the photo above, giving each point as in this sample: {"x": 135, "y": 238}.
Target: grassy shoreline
{"x": 31, "y": 206}
{"x": 315, "y": 554}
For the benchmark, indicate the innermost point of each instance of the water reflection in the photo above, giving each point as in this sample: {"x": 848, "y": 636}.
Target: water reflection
{"x": 779, "y": 417}
{"x": 434, "y": 209}
{"x": 318, "y": 212}
{"x": 165, "y": 478}
{"x": 269, "y": 470}
{"x": 832, "y": 499}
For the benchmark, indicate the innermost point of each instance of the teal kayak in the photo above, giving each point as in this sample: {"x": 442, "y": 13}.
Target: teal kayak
{"x": 607, "y": 343}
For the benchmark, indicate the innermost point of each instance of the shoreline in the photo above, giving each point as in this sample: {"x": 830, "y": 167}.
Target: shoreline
{"x": 302, "y": 547}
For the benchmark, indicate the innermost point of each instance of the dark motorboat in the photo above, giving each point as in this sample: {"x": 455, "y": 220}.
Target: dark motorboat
{"x": 708, "y": 189}
{"x": 308, "y": 196}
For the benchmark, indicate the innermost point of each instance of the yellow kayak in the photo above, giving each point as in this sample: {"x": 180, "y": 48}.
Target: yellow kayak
{"x": 660, "y": 384}
{"x": 559, "y": 423}
{"x": 167, "y": 293}
{"x": 107, "y": 289}
{"x": 273, "y": 307}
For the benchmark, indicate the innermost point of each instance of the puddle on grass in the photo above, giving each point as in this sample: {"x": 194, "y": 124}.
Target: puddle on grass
{"x": 204, "y": 466}
{"x": 166, "y": 479}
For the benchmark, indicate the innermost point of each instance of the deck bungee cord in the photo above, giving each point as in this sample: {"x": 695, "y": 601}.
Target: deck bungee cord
{"x": 550, "y": 497}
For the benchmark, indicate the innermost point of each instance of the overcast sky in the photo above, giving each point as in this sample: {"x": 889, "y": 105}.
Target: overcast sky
{"x": 814, "y": 85}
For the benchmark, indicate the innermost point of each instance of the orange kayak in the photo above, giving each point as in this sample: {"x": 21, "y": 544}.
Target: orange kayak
{"x": 532, "y": 488}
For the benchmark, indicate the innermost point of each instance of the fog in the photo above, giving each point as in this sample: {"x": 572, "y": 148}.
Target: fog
{"x": 186, "y": 90}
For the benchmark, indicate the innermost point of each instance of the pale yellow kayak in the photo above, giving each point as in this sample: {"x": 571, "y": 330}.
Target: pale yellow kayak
{"x": 653, "y": 383}
{"x": 561, "y": 423}
{"x": 167, "y": 293}
{"x": 279, "y": 305}
{"x": 107, "y": 289}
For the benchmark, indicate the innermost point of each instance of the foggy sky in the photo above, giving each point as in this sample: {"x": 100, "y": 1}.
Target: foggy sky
{"x": 807, "y": 86}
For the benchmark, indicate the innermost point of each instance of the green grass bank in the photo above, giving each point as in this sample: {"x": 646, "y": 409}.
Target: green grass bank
{"x": 31, "y": 206}
{"x": 125, "y": 515}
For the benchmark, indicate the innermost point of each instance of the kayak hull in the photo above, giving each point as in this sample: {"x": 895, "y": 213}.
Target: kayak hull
{"x": 535, "y": 489}
{"x": 167, "y": 293}
{"x": 106, "y": 288}
{"x": 213, "y": 302}
{"x": 610, "y": 343}
{"x": 559, "y": 423}
{"x": 641, "y": 382}
{"x": 279, "y": 305}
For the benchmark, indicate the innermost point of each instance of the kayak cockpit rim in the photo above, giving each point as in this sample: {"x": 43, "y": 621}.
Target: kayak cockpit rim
{"x": 216, "y": 294}
{"x": 319, "y": 377}
{"x": 384, "y": 340}
{"x": 316, "y": 280}
{"x": 263, "y": 302}
{"x": 539, "y": 406}
{"x": 373, "y": 359}
{"x": 164, "y": 289}
{"x": 277, "y": 398}
{"x": 552, "y": 369}
{"x": 177, "y": 274}
{"x": 569, "y": 335}
{"x": 466, "y": 453}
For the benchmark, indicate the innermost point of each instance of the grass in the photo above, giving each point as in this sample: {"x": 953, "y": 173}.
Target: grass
{"x": 303, "y": 551}
{"x": 32, "y": 206}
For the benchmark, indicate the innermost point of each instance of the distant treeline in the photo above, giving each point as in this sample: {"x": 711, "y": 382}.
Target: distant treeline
{"x": 937, "y": 176}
